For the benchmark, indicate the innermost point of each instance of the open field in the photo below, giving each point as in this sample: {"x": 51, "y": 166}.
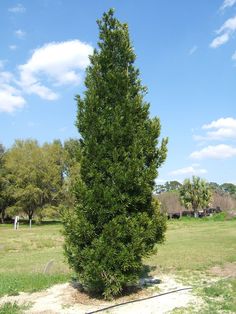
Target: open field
{"x": 196, "y": 245}
{"x": 191, "y": 251}
{"x": 24, "y": 255}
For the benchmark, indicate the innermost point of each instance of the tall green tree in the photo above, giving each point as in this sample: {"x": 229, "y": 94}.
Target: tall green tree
{"x": 115, "y": 223}
{"x": 195, "y": 194}
{"x": 24, "y": 165}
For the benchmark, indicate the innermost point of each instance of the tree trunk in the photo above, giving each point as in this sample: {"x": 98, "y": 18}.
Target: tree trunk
{"x": 3, "y": 216}
{"x": 30, "y": 214}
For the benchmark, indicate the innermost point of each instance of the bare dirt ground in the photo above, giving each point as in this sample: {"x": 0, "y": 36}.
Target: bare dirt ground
{"x": 64, "y": 299}
{"x": 227, "y": 270}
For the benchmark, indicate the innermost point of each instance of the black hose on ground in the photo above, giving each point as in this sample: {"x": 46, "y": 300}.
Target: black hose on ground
{"x": 138, "y": 300}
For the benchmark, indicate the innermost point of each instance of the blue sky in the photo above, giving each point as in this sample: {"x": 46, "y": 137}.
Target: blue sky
{"x": 186, "y": 53}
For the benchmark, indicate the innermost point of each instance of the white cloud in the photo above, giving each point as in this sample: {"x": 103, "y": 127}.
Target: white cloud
{"x": 5, "y": 77}
{"x": 227, "y": 4}
{"x": 41, "y": 90}
{"x": 222, "y": 133}
{"x": 10, "y": 100}
{"x": 220, "y": 40}
{"x": 191, "y": 170}
{"x": 10, "y": 97}
{"x": 221, "y": 151}
{"x": 221, "y": 123}
{"x": 225, "y": 32}
{"x": 56, "y": 63}
{"x": 221, "y": 129}
{"x": 12, "y": 47}
{"x": 52, "y": 65}
{"x": 19, "y": 8}
{"x": 193, "y": 50}
{"x": 20, "y": 34}
{"x": 228, "y": 26}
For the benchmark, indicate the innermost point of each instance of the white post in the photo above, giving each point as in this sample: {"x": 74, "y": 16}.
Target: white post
{"x": 30, "y": 224}
{"x": 16, "y": 223}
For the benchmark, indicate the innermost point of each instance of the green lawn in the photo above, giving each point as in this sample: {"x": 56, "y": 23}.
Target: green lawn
{"x": 25, "y": 253}
{"x": 196, "y": 245}
{"x": 191, "y": 246}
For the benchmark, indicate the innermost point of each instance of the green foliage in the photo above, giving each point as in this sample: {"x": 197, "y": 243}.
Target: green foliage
{"x": 6, "y": 197}
{"x": 115, "y": 222}
{"x": 225, "y": 188}
{"x": 12, "y": 308}
{"x": 3, "y": 198}
{"x": 34, "y": 176}
{"x": 229, "y": 188}
{"x": 217, "y": 217}
{"x": 72, "y": 150}
{"x": 169, "y": 186}
{"x": 195, "y": 194}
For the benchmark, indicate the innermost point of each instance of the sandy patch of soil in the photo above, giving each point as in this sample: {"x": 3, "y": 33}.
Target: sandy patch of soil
{"x": 227, "y": 270}
{"x": 64, "y": 299}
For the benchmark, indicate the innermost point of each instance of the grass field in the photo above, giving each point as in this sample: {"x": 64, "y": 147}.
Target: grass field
{"x": 191, "y": 247}
{"x": 24, "y": 255}
{"x": 196, "y": 245}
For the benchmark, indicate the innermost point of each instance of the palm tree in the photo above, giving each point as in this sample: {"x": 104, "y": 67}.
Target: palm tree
{"x": 195, "y": 194}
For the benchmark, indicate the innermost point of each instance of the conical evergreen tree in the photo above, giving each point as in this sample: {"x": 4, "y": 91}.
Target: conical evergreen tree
{"x": 115, "y": 222}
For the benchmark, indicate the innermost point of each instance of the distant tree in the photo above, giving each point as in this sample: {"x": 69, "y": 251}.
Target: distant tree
{"x": 195, "y": 194}
{"x": 167, "y": 187}
{"x": 229, "y": 188}
{"x": 3, "y": 184}
{"x": 115, "y": 223}
{"x": 72, "y": 148}
{"x": 159, "y": 188}
{"x": 54, "y": 158}
{"x": 2, "y": 150}
{"x": 224, "y": 201}
{"x": 215, "y": 188}
{"x": 172, "y": 186}
{"x": 170, "y": 202}
{"x": 34, "y": 176}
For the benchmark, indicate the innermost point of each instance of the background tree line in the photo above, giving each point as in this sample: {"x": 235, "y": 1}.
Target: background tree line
{"x": 223, "y": 196}
{"x": 36, "y": 180}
